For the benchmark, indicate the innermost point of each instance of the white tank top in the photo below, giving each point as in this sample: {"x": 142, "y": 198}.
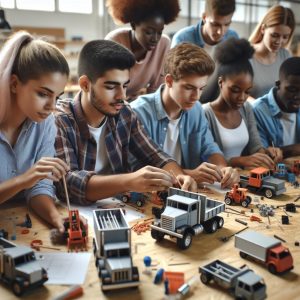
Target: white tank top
{"x": 233, "y": 140}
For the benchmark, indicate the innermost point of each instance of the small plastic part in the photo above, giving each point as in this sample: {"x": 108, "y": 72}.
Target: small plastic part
{"x": 159, "y": 276}
{"x": 147, "y": 263}
{"x": 285, "y": 219}
{"x": 297, "y": 243}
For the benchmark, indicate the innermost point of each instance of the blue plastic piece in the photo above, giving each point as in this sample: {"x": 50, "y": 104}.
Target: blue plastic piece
{"x": 159, "y": 276}
{"x": 147, "y": 261}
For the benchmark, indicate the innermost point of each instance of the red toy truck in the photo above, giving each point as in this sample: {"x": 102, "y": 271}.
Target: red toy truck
{"x": 237, "y": 195}
{"x": 266, "y": 249}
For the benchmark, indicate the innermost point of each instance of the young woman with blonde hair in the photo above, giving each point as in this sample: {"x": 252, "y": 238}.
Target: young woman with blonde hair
{"x": 33, "y": 74}
{"x": 270, "y": 38}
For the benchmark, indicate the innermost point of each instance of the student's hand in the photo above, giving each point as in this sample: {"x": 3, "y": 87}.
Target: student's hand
{"x": 275, "y": 153}
{"x": 47, "y": 167}
{"x": 187, "y": 183}
{"x": 258, "y": 160}
{"x": 149, "y": 179}
{"x": 206, "y": 172}
{"x": 230, "y": 176}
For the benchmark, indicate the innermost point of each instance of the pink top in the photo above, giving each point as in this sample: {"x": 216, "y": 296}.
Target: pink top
{"x": 147, "y": 73}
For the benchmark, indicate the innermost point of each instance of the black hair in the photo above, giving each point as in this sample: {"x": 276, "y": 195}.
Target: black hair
{"x": 99, "y": 56}
{"x": 232, "y": 57}
{"x": 291, "y": 66}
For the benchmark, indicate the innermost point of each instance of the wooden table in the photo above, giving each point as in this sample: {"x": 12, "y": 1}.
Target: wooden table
{"x": 204, "y": 249}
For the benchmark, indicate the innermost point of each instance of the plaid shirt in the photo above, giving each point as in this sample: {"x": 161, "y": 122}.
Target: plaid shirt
{"x": 74, "y": 144}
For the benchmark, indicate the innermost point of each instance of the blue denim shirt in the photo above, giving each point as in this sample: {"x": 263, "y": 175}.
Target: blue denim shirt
{"x": 196, "y": 140}
{"x": 268, "y": 114}
{"x": 35, "y": 140}
{"x": 192, "y": 34}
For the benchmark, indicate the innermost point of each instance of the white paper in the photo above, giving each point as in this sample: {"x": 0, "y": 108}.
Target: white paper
{"x": 64, "y": 268}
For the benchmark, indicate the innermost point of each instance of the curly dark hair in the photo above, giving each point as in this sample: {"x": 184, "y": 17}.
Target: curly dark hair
{"x": 136, "y": 11}
{"x": 232, "y": 57}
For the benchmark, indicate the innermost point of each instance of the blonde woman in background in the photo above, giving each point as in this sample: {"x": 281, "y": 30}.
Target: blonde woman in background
{"x": 270, "y": 39}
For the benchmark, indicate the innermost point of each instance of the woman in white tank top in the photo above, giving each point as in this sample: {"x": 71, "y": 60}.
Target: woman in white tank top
{"x": 230, "y": 117}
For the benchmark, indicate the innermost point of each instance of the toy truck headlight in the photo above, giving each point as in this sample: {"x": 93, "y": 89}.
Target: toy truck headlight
{"x": 26, "y": 283}
{"x": 179, "y": 230}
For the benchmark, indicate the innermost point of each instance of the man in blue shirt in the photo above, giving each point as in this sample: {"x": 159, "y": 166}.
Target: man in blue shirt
{"x": 174, "y": 119}
{"x": 277, "y": 113}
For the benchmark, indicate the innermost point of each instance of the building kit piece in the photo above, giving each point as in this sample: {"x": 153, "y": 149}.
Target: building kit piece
{"x": 237, "y": 195}
{"x": 175, "y": 279}
{"x": 138, "y": 199}
{"x": 282, "y": 172}
{"x": 266, "y": 249}
{"x": 260, "y": 181}
{"x": 19, "y": 267}
{"x": 187, "y": 214}
{"x": 112, "y": 250}
{"x": 265, "y": 210}
{"x": 228, "y": 237}
{"x": 243, "y": 282}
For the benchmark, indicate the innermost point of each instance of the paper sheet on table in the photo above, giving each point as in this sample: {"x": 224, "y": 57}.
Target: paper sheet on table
{"x": 217, "y": 188}
{"x": 64, "y": 268}
{"x": 87, "y": 211}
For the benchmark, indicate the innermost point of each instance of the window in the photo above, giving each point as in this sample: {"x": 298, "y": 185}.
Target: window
{"x": 7, "y": 3}
{"x": 75, "y": 6}
{"x": 197, "y": 7}
{"x": 46, "y": 5}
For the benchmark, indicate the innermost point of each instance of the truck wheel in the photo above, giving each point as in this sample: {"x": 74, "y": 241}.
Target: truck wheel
{"x": 139, "y": 203}
{"x": 157, "y": 235}
{"x": 243, "y": 254}
{"x": 268, "y": 193}
{"x": 205, "y": 278}
{"x": 228, "y": 201}
{"x": 245, "y": 203}
{"x": 272, "y": 269}
{"x": 17, "y": 288}
{"x": 125, "y": 198}
{"x": 220, "y": 221}
{"x": 185, "y": 242}
{"x": 211, "y": 226}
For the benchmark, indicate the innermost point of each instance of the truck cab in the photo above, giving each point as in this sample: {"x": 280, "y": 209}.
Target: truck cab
{"x": 20, "y": 269}
{"x": 250, "y": 286}
{"x": 279, "y": 259}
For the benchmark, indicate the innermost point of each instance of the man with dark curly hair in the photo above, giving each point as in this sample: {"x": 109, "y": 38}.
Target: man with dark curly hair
{"x": 175, "y": 120}
{"x": 144, "y": 39}
{"x": 97, "y": 133}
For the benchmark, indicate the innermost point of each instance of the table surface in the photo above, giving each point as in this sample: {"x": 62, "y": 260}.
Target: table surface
{"x": 204, "y": 249}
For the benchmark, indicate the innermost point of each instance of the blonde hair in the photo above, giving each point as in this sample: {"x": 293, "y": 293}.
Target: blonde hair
{"x": 28, "y": 58}
{"x": 276, "y": 15}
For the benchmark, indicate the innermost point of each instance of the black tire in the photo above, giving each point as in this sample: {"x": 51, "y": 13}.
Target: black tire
{"x": 272, "y": 269}
{"x": 186, "y": 241}
{"x": 243, "y": 254}
{"x": 268, "y": 193}
{"x": 18, "y": 288}
{"x": 220, "y": 221}
{"x": 211, "y": 226}
{"x": 249, "y": 199}
{"x": 125, "y": 198}
{"x": 205, "y": 278}
{"x": 228, "y": 201}
{"x": 139, "y": 203}
{"x": 245, "y": 203}
{"x": 157, "y": 235}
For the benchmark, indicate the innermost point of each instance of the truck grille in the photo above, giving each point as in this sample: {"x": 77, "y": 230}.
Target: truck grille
{"x": 167, "y": 223}
{"x": 121, "y": 276}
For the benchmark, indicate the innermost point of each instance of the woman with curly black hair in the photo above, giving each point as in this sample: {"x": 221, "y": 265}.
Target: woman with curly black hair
{"x": 231, "y": 118}
{"x": 145, "y": 39}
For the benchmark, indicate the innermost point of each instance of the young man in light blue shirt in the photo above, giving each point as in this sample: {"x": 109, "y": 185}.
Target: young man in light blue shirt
{"x": 277, "y": 113}
{"x": 174, "y": 119}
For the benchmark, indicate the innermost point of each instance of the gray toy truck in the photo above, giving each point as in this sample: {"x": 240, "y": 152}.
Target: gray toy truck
{"x": 19, "y": 267}
{"x": 243, "y": 283}
{"x": 260, "y": 181}
{"x": 187, "y": 214}
{"x": 112, "y": 250}
{"x": 266, "y": 249}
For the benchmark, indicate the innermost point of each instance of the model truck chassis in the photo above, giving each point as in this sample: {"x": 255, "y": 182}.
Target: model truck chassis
{"x": 243, "y": 283}
{"x": 19, "y": 268}
{"x": 187, "y": 214}
{"x": 112, "y": 250}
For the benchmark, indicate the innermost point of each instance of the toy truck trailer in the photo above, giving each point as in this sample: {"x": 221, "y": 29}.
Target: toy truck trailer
{"x": 260, "y": 181}
{"x": 243, "y": 283}
{"x": 19, "y": 267}
{"x": 187, "y": 214}
{"x": 112, "y": 250}
{"x": 266, "y": 249}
